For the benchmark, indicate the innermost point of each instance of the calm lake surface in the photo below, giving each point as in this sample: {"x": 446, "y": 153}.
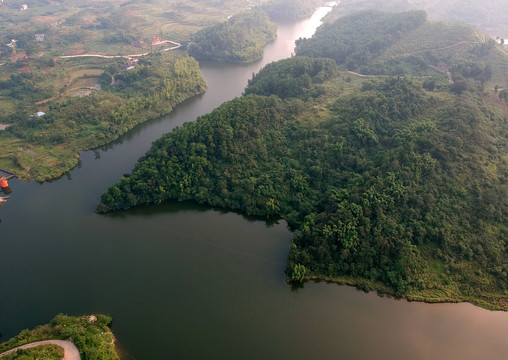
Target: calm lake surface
{"x": 188, "y": 282}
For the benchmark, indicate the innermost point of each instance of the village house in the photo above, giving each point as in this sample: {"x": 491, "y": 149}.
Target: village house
{"x": 37, "y": 115}
{"x": 131, "y": 64}
{"x": 24, "y": 7}
{"x": 12, "y": 45}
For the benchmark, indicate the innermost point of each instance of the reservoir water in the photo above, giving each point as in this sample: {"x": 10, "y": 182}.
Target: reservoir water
{"x": 189, "y": 282}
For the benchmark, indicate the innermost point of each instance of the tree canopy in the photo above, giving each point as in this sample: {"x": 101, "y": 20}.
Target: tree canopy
{"x": 283, "y": 10}
{"x": 240, "y": 39}
{"x": 387, "y": 183}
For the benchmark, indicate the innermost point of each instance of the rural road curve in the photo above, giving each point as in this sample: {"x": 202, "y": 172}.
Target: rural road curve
{"x": 177, "y": 45}
{"x": 70, "y": 350}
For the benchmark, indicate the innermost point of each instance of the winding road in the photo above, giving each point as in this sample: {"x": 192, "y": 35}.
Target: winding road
{"x": 176, "y": 46}
{"x": 70, "y": 350}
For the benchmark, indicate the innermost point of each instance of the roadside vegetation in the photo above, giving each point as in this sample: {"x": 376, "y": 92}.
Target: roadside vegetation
{"x": 46, "y": 352}
{"x": 393, "y": 183}
{"x": 93, "y": 339}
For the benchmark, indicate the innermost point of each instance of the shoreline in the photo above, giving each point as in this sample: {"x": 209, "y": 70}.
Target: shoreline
{"x": 382, "y": 290}
{"x": 75, "y": 160}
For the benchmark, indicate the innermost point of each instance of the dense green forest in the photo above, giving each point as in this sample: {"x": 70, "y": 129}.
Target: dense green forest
{"x": 354, "y": 42}
{"x": 149, "y": 90}
{"x": 375, "y": 43}
{"x": 389, "y": 183}
{"x": 292, "y": 78}
{"x": 284, "y": 10}
{"x": 488, "y": 15}
{"x": 240, "y": 39}
{"x": 93, "y": 339}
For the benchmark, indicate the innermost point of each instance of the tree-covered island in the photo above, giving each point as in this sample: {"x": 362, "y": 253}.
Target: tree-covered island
{"x": 239, "y": 39}
{"x": 395, "y": 179}
{"x": 287, "y": 10}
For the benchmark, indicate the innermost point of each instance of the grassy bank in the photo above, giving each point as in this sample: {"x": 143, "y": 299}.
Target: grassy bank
{"x": 443, "y": 294}
{"x": 46, "y": 352}
{"x": 91, "y": 335}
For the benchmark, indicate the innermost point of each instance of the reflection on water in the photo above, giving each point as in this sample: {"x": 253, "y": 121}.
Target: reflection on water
{"x": 183, "y": 281}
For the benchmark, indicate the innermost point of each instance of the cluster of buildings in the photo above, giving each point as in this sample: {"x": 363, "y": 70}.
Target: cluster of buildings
{"x": 142, "y": 44}
{"x": 132, "y": 63}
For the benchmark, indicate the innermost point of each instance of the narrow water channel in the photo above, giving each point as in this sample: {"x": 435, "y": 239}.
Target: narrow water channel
{"x": 188, "y": 282}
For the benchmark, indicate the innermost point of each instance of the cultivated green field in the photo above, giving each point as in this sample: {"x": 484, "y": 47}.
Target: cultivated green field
{"x": 35, "y": 77}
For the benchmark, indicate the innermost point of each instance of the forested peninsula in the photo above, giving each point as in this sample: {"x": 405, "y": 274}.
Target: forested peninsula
{"x": 395, "y": 179}
{"x": 90, "y": 334}
{"x": 286, "y": 10}
{"x": 239, "y": 39}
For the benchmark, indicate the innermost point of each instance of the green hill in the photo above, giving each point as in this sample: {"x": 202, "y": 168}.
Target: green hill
{"x": 389, "y": 183}
{"x": 488, "y": 15}
{"x": 371, "y": 42}
{"x": 283, "y": 10}
{"x": 241, "y": 38}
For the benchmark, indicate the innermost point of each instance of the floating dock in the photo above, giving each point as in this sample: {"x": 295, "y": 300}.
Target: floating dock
{"x": 6, "y": 174}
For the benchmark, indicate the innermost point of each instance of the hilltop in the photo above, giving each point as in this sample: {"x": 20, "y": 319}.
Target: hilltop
{"x": 240, "y": 39}
{"x": 395, "y": 181}
{"x": 487, "y": 15}
{"x": 390, "y": 183}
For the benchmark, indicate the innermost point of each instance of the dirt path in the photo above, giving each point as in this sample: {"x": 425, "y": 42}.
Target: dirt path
{"x": 502, "y": 50}
{"x": 176, "y": 46}
{"x": 70, "y": 350}
{"x": 441, "y": 48}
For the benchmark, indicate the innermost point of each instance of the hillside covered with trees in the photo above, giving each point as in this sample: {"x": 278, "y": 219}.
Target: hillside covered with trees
{"x": 284, "y": 10}
{"x": 239, "y": 39}
{"x": 389, "y": 183}
{"x": 376, "y": 43}
{"x": 487, "y": 15}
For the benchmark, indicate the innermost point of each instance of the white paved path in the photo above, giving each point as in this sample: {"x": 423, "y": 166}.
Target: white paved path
{"x": 70, "y": 350}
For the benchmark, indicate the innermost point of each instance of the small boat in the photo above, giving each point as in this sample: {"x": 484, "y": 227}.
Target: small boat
{"x": 4, "y": 185}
